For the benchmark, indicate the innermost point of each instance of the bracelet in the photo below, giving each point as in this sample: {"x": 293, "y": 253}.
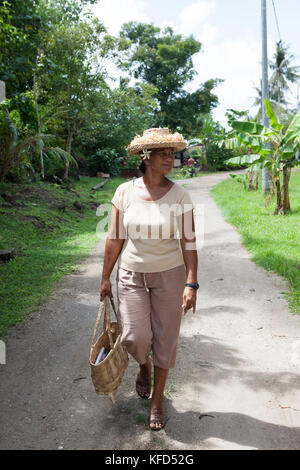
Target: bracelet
{"x": 193, "y": 286}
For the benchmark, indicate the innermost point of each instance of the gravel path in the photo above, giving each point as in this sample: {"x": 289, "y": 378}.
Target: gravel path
{"x": 238, "y": 361}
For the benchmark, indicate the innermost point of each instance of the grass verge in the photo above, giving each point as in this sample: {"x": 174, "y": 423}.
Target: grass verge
{"x": 274, "y": 241}
{"x": 50, "y": 237}
{"x": 176, "y": 174}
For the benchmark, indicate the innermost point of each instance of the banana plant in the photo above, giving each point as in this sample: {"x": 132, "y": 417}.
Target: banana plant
{"x": 249, "y": 180}
{"x": 13, "y": 150}
{"x": 273, "y": 148}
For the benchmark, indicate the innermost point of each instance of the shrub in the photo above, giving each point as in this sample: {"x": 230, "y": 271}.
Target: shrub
{"x": 187, "y": 172}
{"x": 105, "y": 160}
{"x": 132, "y": 162}
{"x": 216, "y": 157}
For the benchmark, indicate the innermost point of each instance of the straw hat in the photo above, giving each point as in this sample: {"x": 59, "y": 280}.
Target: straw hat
{"x": 156, "y": 138}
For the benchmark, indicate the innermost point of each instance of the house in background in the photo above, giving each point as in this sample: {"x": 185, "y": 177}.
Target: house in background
{"x": 178, "y": 159}
{"x": 196, "y": 149}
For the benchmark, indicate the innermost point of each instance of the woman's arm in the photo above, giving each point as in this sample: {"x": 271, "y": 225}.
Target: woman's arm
{"x": 113, "y": 246}
{"x": 186, "y": 225}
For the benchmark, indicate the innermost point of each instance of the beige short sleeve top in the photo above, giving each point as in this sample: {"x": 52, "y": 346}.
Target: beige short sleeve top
{"x": 152, "y": 243}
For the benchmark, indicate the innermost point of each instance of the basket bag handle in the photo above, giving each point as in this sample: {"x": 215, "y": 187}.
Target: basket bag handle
{"x": 104, "y": 305}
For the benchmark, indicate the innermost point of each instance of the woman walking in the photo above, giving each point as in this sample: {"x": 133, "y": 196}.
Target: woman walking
{"x": 157, "y": 271}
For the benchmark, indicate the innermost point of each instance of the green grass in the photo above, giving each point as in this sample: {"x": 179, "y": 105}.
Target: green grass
{"x": 273, "y": 241}
{"x": 49, "y": 242}
{"x": 169, "y": 389}
{"x": 176, "y": 174}
{"x": 141, "y": 419}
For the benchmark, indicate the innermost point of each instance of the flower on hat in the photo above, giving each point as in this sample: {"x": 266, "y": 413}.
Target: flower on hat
{"x": 146, "y": 154}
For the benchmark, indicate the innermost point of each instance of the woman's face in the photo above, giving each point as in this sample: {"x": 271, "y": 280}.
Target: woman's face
{"x": 161, "y": 160}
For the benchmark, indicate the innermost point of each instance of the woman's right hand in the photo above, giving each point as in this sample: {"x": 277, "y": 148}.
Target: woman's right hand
{"x": 105, "y": 289}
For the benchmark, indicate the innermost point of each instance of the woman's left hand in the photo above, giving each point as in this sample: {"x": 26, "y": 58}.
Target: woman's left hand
{"x": 189, "y": 299}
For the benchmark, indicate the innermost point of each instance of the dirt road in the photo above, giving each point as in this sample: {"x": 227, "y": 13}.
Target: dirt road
{"x": 238, "y": 361}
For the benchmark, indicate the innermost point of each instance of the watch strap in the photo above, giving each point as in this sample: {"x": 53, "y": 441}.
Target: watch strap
{"x": 193, "y": 285}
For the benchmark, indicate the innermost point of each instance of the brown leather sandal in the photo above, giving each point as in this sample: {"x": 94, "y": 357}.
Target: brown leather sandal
{"x": 157, "y": 416}
{"x": 143, "y": 387}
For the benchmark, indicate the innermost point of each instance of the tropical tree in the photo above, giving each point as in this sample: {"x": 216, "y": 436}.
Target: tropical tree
{"x": 24, "y": 25}
{"x": 210, "y": 129}
{"x": 118, "y": 115}
{"x": 163, "y": 59}
{"x": 19, "y": 37}
{"x": 257, "y": 102}
{"x": 280, "y": 159}
{"x": 283, "y": 72}
{"x": 71, "y": 71}
{"x": 27, "y": 30}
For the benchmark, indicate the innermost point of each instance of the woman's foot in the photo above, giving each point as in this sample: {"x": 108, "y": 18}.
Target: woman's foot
{"x": 143, "y": 381}
{"x": 157, "y": 420}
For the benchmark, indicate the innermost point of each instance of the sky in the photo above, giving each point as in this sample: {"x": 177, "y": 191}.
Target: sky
{"x": 230, "y": 34}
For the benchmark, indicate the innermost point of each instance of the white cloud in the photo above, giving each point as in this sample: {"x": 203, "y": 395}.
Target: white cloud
{"x": 192, "y": 16}
{"x": 236, "y": 61}
{"x": 168, "y": 23}
{"x": 114, "y": 14}
{"x": 240, "y": 62}
{"x": 209, "y": 34}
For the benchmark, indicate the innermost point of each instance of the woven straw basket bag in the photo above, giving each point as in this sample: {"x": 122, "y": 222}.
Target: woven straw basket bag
{"x": 107, "y": 375}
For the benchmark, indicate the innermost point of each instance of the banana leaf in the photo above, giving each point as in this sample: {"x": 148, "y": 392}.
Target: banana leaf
{"x": 289, "y": 151}
{"x": 255, "y": 143}
{"x": 271, "y": 115}
{"x": 244, "y": 160}
{"x": 256, "y": 167}
{"x": 193, "y": 142}
{"x": 230, "y": 144}
{"x": 56, "y": 154}
{"x": 290, "y": 135}
{"x": 295, "y": 123}
{"x": 252, "y": 128}
{"x": 239, "y": 178}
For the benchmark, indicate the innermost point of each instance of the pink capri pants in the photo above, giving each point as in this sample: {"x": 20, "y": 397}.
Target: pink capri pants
{"x": 150, "y": 312}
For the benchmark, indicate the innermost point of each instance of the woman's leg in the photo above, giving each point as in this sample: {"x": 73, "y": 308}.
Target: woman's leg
{"x": 143, "y": 382}
{"x": 134, "y": 318}
{"x": 156, "y": 414}
{"x": 166, "y": 315}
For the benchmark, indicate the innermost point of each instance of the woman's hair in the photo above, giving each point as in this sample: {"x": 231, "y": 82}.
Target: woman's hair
{"x": 142, "y": 167}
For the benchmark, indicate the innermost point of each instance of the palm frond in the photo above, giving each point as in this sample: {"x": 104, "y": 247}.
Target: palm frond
{"x": 57, "y": 154}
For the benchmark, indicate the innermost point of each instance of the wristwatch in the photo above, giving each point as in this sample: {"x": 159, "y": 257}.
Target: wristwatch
{"x": 194, "y": 286}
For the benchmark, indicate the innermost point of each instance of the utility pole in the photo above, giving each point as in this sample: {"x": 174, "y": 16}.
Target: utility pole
{"x": 265, "y": 86}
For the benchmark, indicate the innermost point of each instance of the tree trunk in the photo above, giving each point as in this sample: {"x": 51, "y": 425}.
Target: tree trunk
{"x": 279, "y": 208}
{"x": 42, "y": 171}
{"x": 286, "y": 180}
{"x": 67, "y": 163}
{"x": 250, "y": 178}
{"x": 68, "y": 149}
{"x": 3, "y": 171}
{"x": 256, "y": 179}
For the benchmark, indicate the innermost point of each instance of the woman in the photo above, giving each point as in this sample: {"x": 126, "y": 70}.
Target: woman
{"x": 157, "y": 272}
